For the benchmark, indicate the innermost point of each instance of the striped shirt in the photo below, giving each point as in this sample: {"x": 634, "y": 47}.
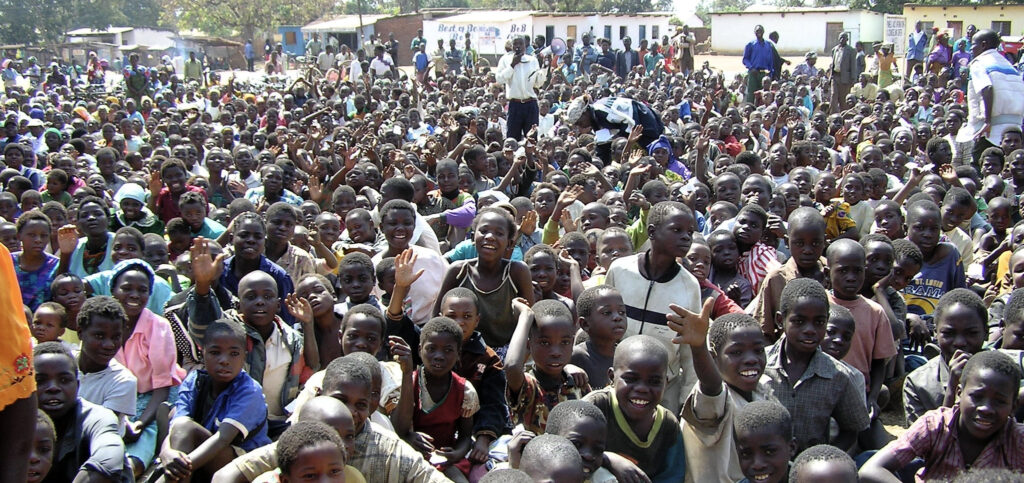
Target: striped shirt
{"x": 755, "y": 264}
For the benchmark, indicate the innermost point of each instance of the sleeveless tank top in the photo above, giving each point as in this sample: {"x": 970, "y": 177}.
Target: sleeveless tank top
{"x": 497, "y": 323}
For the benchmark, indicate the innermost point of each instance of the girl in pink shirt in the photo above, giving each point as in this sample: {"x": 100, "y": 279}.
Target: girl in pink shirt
{"x": 148, "y": 352}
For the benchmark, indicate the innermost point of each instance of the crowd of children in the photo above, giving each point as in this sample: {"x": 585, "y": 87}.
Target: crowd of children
{"x": 367, "y": 281}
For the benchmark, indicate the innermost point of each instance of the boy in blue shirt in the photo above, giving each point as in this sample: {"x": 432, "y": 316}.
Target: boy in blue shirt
{"x": 221, "y": 403}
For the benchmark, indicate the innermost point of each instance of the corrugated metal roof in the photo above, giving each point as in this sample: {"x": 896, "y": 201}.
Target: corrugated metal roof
{"x": 488, "y": 16}
{"x": 344, "y": 23}
{"x": 108, "y": 31}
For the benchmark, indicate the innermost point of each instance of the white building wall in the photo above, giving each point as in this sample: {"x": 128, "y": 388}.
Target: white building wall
{"x": 799, "y": 32}
{"x": 595, "y": 24}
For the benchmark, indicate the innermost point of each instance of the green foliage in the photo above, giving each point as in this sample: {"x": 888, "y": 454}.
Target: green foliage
{"x": 243, "y": 17}
{"x": 34, "y": 21}
{"x": 706, "y": 7}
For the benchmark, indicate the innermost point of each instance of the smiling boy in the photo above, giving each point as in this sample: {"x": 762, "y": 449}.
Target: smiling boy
{"x": 643, "y": 431}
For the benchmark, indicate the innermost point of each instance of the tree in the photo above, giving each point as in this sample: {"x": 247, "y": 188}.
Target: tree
{"x": 242, "y": 17}
{"x": 34, "y": 21}
{"x": 706, "y": 7}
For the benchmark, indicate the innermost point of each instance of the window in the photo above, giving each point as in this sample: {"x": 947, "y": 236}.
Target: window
{"x": 643, "y": 33}
{"x": 570, "y": 32}
{"x": 622, "y": 32}
{"x": 549, "y": 33}
{"x": 654, "y": 32}
{"x": 1001, "y": 26}
{"x": 289, "y": 38}
{"x": 608, "y": 32}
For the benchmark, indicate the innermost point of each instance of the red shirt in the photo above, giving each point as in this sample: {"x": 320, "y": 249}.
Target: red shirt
{"x": 167, "y": 204}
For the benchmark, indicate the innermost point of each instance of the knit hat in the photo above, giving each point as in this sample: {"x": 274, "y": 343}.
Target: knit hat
{"x": 131, "y": 191}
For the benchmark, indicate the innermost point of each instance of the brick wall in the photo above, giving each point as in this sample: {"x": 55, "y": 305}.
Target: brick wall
{"x": 404, "y": 27}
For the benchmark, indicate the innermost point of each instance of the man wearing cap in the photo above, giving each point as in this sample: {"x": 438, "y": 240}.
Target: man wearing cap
{"x": 521, "y": 75}
{"x": 807, "y": 68}
{"x": 758, "y": 57}
{"x": 843, "y": 72}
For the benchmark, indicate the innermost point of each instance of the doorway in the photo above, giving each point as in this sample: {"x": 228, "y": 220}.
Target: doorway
{"x": 832, "y": 31}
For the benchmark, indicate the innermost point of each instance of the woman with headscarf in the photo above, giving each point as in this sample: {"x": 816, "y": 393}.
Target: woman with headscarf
{"x": 941, "y": 54}
{"x": 664, "y": 155}
{"x": 149, "y": 352}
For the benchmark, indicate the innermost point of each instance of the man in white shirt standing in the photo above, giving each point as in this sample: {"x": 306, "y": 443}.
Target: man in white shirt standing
{"x": 381, "y": 65}
{"x": 995, "y": 95}
{"x": 521, "y": 74}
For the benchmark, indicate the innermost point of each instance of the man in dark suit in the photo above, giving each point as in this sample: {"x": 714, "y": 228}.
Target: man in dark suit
{"x": 843, "y": 72}
{"x": 626, "y": 59}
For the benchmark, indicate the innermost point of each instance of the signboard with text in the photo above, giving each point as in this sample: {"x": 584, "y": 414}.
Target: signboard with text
{"x": 486, "y": 37}
{"x": 896, "y": 33}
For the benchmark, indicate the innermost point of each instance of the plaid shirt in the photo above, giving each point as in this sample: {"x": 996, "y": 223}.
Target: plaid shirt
{"x": 823, "y": 391}
{"x": 934, "y": 438}
{"x": 384, "y": 458}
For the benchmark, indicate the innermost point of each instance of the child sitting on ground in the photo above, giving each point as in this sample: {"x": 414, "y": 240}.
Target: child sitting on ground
{"x": 644, "y": 431}
{"x": 823, "y": 462}
{"x": 756, "y": 258}
{"x": 356, "y": 278}
{"x": 547, "y": 337}
{"x": 92, "y": 431}
{"x": 803, "y": 310}
{"x": 602, "y": 315}
{"x": 1012, "y": 334}
{"x": 193, "y": 209}
{"x": 889, "y": 220}
{"x": 43, "y": 450}
{"x": 807, "y": 241}
{"x": 478, "y": 364}
{"x": 729, "y": 363}
{"x": 444, "y": 402}
{"x": 698, "y": 262}
{"x": 941, "y": 271}
{"x": 873, "y": 343}
{"x": 977, "y": 432}
{"x": 764, "y": 441}
{"x": 613, "y": 244}
{"x": 961, "y": 325}
{"x": 103, "y": 380}
{"x": 552, "y": 458}
{"x": 319, "y": 292}
{"x": 259, "y": 303}
{"x": 49, "y": 323}
{"x": 724, "y": 257}
{"x": 308, "y": 450}
{"x": 68, "y": 290}
{"x": 205, "y": 436}
{"x": 543, "y": 262}
{"x": 651, "y": 281}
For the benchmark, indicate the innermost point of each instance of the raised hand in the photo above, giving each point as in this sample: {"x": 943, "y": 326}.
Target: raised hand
{"x": 405, "y": 263}
{"x": 205, "y": 268}
{"x": 529, "y": 223}
{"x": 299, "y": 308}
{"x": 67, "y": 239}
{"x": 636, "y": 198}
{"x": 155, "y": 183}
{"x": 401, "y": 352}
{"x": 566, "y": 220}
{"x": 948, "y": 174}
{"x": 692, "y": 328}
